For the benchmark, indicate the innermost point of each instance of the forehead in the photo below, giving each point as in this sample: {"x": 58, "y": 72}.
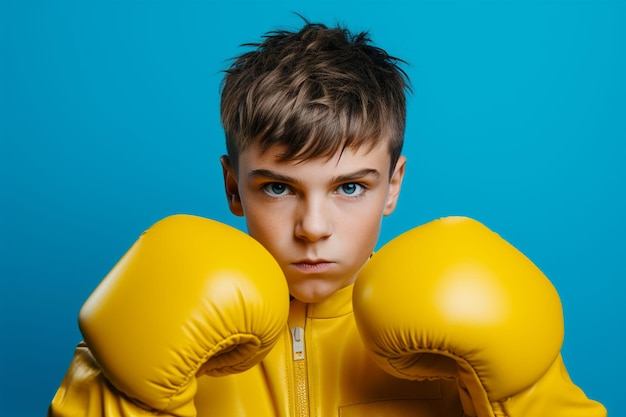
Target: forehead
{"x": 340, "y": 163}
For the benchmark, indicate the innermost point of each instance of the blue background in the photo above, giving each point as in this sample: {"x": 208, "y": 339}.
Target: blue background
{"x": 109, "y": 121}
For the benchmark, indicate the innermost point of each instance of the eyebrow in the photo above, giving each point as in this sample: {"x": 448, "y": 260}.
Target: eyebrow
{"x": 366, "y": 172}
{"x": 352, "y": 176}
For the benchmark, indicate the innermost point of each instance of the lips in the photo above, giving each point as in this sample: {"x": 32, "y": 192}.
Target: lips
{"x": 312, "y": 266}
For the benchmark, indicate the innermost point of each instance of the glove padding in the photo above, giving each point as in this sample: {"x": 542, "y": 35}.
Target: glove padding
{"x": 192, "y": 296}
{"x": 451, "y": 299}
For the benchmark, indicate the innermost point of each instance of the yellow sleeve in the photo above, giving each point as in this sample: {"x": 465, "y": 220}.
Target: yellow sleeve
{"x": 86, "y": 392}
{"x": 554, "y": 395}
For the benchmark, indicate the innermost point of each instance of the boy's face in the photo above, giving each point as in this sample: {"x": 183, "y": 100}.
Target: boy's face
{"x": 319, "y": 218}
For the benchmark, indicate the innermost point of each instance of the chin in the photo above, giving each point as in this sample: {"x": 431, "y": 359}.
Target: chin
{"x": 312, "y": 295}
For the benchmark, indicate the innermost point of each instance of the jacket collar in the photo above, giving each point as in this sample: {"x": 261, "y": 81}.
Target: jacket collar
{"x": 338, "y": 304}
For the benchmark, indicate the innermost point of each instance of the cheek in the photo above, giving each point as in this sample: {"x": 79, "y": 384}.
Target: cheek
{"x": 267, "y": 228}
{"x": 364, "y": 228}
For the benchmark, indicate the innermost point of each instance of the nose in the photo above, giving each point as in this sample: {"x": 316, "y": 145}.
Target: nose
{"x": 314, "y": 220}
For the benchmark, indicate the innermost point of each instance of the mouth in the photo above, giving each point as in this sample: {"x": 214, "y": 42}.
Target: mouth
{"x": 312, "y": 266}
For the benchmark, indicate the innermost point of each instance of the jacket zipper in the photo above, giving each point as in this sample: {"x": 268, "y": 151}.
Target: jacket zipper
{"x": 297, "y": 318}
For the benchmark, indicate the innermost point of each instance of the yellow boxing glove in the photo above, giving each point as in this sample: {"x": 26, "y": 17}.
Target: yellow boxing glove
{"x": 451, "y": 299}
{"x": 192, "y": 296}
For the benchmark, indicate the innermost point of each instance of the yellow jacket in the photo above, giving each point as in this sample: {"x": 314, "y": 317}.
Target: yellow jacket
{"x": 332, "y": 376}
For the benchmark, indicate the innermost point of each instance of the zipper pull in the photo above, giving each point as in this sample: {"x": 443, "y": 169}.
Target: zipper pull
{"x": 297, "y": 338}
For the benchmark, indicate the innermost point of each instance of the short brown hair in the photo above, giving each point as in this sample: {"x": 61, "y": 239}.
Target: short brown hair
{"x": 315, "y": 92}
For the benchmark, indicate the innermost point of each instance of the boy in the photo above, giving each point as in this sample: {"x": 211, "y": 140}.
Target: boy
{"x": 314, "y": 123}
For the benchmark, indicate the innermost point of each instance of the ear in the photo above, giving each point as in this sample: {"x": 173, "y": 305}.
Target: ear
{"x": 231, "y": 187}
{"x": 395, "y": 184}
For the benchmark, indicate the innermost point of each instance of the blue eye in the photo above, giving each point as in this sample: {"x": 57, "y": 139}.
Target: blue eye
{"x": 351, "y": 188}
{"x": 275, "y": 189}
